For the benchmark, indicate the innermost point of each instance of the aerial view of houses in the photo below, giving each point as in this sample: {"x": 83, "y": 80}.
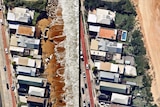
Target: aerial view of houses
{"x": 110, "y": 59}
{"x": 33, "y": 55}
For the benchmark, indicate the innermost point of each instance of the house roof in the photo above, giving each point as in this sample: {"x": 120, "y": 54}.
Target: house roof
{"x": 109, "y": 75}
{"x": 94, "y": 28}
{"x": 26, "y": 30}
{"x": 114, "y": 87}
{"x": 38, "y": 63}
{"x": 16, "y": 49}
{"x": 98, "y": 53}
{"x": 20, "y": 14}
{"x": 105, "y": 66}
{"x": 13, "y": 26}
{"x": 92, "y": 18}
{"x": 36, "y": 91}
{"x": 24, "y": 61}
{"x": 30, "y": 79}
{"x": 25, "y": 69}
{"x": 94, "y": 44}
{"x": 117, "y": 105}
{"x": 35, "y": 99}
{"x": 130, "y": 71}
{"x": 107, "y": 33}
{"x": 121, "y": 68}
{"x": 120, "y": 98}
{"x": 114, "y": 67}
{"x": 14, "y": 40}
{"x": 103, "y": 14}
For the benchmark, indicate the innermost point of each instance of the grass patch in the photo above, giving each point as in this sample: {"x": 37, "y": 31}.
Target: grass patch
{"x": 36, "y": 14}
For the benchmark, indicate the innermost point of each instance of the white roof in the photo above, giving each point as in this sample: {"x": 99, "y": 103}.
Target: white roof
{"x": 120, "y": 98}
{"x": 114, "y": 68}
{"x": 25, "y": 69}
{"x": 92, "y": 18}
{"x": 17, "y": 49}
{"x": 13, "y": 26}
{"x": 98, "y": 53}
{"x": 38, "y": 63}
{"x": 36, "y": 91}
{"x": 11, "y": 16}
{"x": 94, "y": 28}
{"x": 31, "y": 79}
{"x": 119, "y": 45}
{"x": 22, "y": 99}
{"x": 24, "y": 61}
{"x": 103, "y": 14}
{"x": 97, "y": 64}
{"x": 130, "y": 70}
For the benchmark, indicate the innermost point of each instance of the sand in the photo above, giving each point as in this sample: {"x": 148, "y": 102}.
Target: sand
{"x": 54, "y": 70}
{"x": 149, "y": 19}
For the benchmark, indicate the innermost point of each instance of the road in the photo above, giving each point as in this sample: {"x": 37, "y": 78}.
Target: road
{"x": 85, "y": 55}
{"x": 8, "y": 96}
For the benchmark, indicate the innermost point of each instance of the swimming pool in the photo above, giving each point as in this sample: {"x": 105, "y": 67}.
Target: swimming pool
{"x": 124, "y": 36}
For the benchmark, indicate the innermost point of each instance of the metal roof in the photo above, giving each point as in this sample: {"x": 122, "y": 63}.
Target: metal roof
{"x": 36, "y": 91}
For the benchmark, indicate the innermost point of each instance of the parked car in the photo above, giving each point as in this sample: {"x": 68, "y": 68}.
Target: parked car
{"x": 84, "y": 75}
{"x": 82, "y": 90}
{"x": 87, "y": 66}
{"x": 5, "y": 68}
{"x": 84, "y": 104}
{"x": 7, "y": 85}
{"x": 6, "y": 50}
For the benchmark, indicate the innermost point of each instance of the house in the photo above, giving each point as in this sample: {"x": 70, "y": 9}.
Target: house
{"x": 92, "y": 18}
{"x": 105, "y": 16}
{"x": 98, "y": 55}
{"x": 115, "y": 87}
{"x": 25, "y": 42}
{"x": 28, "y": 62}
{"x": 24, "y": 30}
{"x": 17, "y": 50}
{"x": 106, "y": 46}
{"x": 108, "y": 76}
{"x": 121, "y": 99}
{"x": 31, "y": 81}
{"x": 107, "y": 33}
{"x": 107, "y": 66}
{"x": 101, "y": 16}
{"x": 130, "y": 71}
{"x": 18, "y": 14}
{"x": 129, "y": 60}
{"x": 93, "y": 28}
{"x": 27, "y": 71}
{"x": 33, "y": 101}
{"x": 36, "y": 91}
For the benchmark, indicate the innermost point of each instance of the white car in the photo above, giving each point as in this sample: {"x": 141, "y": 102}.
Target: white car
{"x": 6, "y": 50}
{"x": 87, "y": 66}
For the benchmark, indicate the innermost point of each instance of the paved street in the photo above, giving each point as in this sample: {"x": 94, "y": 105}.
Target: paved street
{"x": 83, "y": 44}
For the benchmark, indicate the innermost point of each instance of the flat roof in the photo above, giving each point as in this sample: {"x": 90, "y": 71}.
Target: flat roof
{"x": 113, "y": 85}
{"x": 130, "y": 70}
{"x": 98, "y": 53}
{"x": 107, "y": 33}
{"x": 105, "y": 66}
{"x": 35, "y": 99}
{"x": 94, "y": 28}
{"x": 94, "y": 44}
{"x": 121, "y": 68}
{"x": 92, "y": 18}
{"x": 114, "y": 68}
{"x": 17, "y": 49}
{"x": 120, "y": 98}
{"x": 36, "y": 91}
{"x": 31, "y": 79}
{"x": 25, "y": 61}
{"x": 38, "y": 63}
{"x": 110, "y": 75}
{"x": 26, "y": 30}
{"x": 25, "y": 69}
{"x": 14, "y": 40}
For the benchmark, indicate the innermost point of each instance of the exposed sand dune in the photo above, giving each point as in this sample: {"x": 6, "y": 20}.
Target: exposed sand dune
{"x": 149, "y": 18}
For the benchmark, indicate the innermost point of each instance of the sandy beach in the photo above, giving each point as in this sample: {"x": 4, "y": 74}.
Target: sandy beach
{"x": 149, "y": 18}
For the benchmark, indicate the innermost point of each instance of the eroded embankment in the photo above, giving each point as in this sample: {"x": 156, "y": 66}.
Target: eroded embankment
{"x": 53, "y": 52}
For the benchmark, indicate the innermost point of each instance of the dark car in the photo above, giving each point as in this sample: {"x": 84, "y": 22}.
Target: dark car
{"x": 5, "y": 68}
{"x": 7, "y": 85}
